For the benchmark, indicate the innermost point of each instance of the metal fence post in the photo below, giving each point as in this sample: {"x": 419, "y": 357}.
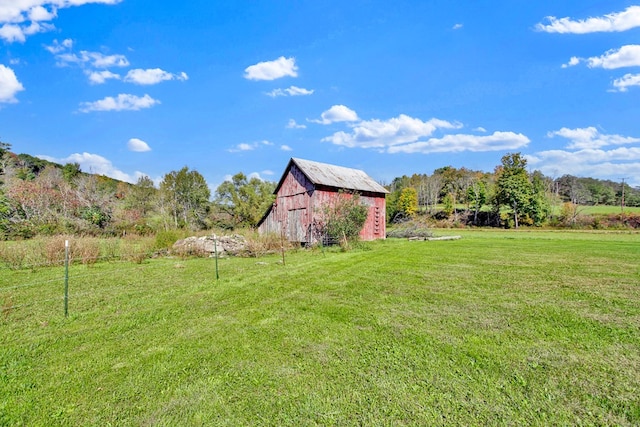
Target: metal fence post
{"x": 66, "y": 278}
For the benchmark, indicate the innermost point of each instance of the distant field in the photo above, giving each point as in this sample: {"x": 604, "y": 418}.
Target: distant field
{"x": 585, "y": 210}
{"x": 608, "y": 209}
{"x": 497, "y": 328}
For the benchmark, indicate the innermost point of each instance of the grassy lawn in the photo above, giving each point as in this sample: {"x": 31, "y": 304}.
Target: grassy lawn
{"x": 497, "y": 328}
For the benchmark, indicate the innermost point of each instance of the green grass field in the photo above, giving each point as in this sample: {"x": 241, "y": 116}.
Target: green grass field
{"x": 497, "y": 328}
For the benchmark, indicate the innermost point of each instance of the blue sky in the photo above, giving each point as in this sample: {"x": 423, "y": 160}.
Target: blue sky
{"x": 144, "y": 87}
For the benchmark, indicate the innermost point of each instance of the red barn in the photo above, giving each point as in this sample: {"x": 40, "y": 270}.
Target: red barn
{"x": 306, "y": 187}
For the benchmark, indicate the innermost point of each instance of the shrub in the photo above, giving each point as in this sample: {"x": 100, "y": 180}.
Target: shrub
{"x": 344, "y": 219}
{"x": 166, "y": 239}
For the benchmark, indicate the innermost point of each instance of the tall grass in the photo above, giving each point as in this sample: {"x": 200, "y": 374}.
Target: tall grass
{"x": 498, "y": 328}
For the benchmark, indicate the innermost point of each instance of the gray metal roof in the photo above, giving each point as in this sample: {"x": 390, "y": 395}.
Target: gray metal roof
{"x": 338, "y": 176}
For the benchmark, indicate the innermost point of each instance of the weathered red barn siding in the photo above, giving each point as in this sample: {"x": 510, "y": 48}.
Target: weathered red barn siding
{"x": 375, "y": 225}
{"x": 297, "y": 209}
{"x": 292, "y": 209}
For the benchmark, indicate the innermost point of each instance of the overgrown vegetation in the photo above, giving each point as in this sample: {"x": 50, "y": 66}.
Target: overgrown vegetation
{"x": 500, "y": 327}
{"x": 343, "y": 219}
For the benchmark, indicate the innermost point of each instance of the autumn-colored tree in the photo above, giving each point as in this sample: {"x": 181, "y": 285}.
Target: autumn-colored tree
{"x": 408, "y": 202}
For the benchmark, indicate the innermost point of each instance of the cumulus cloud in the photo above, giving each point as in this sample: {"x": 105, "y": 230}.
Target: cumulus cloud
{"x": 119, "y": 103}
{"x": 625, "y": 82}
{"x": 286, "y": 148}
{"x": 590, "y": 138}
{"x": 457, "y": 26}
{"x": 587, "y": 154}
{"x": 460, "y": 142}
{"x": 249, "y": 146}
{"x": 93, "y": 59}
{"x": 597, "y": 163}
{"x": 272, "y": 70}
{"x": 96, "y": 164}
{"x": 337, "y": 113}
{"x": 293, "y": 125}
{"x": 613, "y": 22}
{"x": 22, "y": 18}
{"x": 405, "y": 134}
{"x": 291, "y": 91}
{"x": 9, "y": 85}
{"x": 152, "y": 76}
{"x": 386, "y": 133}
{"x": 138, "y": 145}
{"x": 626, "y": 56}
{"x": 58, "y": 47}
{"x": 100, "y": 77}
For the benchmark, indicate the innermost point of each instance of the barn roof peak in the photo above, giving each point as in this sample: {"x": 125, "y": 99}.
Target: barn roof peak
{"x": 335, "y": 176}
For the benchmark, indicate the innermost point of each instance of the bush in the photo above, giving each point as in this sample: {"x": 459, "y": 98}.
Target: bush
{"x": 166, "y": 239}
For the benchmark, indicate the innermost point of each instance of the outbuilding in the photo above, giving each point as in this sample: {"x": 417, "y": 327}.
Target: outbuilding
{"x": 306, "y": 187}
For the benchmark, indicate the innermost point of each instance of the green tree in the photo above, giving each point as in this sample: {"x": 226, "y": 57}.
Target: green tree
{"x": 448, "y": 204}
{"x": 185, "y": 197}
{"x": 539, "y": 207}
{"x": 245, "y": 200}
{"x": 477, "y": 197}
{"x": 142, "y": 196}
{"x": 513, "y": 188}
{"x": 70, "y": 171}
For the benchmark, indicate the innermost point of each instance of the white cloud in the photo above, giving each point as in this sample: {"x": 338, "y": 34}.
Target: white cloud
{"x": 572, "y": 62}
{"x": 381, "y": 134}
{"x": 93, "y": 59}
{"x": 138, "y": 145}
{"x": 271, "y": 70}
{"x": 120, "y": 103}
{"x": 100, "y": 77}
{"x": 249, "y": 146}
{"x": 460, "y": 142}
{"x": 602, "y": 164}
{"x": 628, "y": 80}
{"x": 293, "y": 125}
{"x": 96, "y": 164}
{"x": 626, "y": 56}
{"x": 22, "y": 18}
{"x": 337, "y": 113}
{"x": 613, "y": 22}
{"x": 585, "y": 155}
{"x": 590, "y": 138}
{"x": 457, "y": 26}
{"x": 291, "y": 91}
{"x": 9, "y": 85}
{"x": 480, "y": 129}
{"x": 57, "y": 47}
{"x": 286, "y": 148}
{"x": 152, "y": 76}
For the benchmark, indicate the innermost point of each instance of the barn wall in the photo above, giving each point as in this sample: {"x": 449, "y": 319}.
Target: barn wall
{"x": 375, "y": 225}
{"x": 298, "y": 207}
{"x": 292, "y": 211}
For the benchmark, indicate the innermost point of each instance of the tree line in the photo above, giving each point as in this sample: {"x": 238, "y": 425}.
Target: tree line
{"x": 41, "y": 197}
{"x": 509, "y": 196}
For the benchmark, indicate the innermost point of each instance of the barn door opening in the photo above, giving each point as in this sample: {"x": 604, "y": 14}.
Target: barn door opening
{"x": 296, "y": 220}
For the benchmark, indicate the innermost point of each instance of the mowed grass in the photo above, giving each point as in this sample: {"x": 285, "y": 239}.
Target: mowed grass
{"x": 498, "y": 328}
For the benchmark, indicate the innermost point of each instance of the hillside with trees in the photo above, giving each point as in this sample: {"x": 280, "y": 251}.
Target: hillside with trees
{"x": 38, "y": 197}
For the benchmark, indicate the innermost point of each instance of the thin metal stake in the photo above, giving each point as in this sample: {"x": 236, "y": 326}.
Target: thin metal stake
{"x": 215, "y": 249}
{"x": 66, "y": 278}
